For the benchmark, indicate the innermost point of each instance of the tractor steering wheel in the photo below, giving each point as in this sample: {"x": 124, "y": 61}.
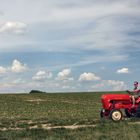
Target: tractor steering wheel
{"x": 128, "y": 91}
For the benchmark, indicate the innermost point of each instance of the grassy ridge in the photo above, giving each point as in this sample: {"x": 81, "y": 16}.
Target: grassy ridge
{"x": 27, "y": 110}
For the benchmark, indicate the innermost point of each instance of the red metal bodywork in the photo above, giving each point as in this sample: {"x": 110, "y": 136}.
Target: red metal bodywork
{"x": 119, "y": 100}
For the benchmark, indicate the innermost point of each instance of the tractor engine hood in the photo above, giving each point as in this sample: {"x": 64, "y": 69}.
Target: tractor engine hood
{"x": 115, "y": 97}
{"x": 107, "y": 99}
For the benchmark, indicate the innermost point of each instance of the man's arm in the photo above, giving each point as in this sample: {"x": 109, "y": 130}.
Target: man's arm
{"x": 128, "y": 91}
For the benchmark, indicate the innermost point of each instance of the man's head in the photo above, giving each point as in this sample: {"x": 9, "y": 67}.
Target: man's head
{"x": 136, "y": 84}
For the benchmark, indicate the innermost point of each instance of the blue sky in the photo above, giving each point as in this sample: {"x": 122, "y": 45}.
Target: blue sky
{"x": 71, "y": 45}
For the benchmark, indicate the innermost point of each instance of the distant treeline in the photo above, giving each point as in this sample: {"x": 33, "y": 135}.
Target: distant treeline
{"x": 36, "y": 91}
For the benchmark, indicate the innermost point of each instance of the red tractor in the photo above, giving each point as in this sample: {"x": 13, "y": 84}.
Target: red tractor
{"x": 115, "y": 104}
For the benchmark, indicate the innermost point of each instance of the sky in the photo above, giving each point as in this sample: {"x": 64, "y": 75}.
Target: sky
{"x": 67, "y": 46}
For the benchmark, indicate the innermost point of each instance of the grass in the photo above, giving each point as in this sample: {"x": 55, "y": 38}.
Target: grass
{"x": 59, "y": 109}
{"x": 103, "y": 131}
{"x": 28, "y": 110}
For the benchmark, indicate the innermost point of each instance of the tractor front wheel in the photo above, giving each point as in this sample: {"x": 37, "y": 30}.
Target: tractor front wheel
{"x": 115, "y": 115}
{"x": 102, "y": 113}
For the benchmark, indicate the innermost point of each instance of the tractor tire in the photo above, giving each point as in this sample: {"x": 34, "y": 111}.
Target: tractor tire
{"x": 128, "y": 113}
{"x": 101, "y": 113}
{"x": 138, "y": 111}
{"x": 115, "y": 115}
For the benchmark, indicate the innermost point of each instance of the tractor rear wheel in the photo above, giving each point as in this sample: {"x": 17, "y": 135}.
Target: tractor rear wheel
{"x": 128, "y": 113}
{"x": 138, "y": 111}
{"x": 115, "y": 115}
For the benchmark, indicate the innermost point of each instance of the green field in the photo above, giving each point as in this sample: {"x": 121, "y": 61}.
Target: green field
{"x": 26, "y": 116}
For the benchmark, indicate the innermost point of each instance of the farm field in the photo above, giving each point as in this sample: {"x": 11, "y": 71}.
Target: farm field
{"x": 63, "y": 116}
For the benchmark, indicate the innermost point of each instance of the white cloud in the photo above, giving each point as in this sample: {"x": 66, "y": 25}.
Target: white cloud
{"x": 123, "y": 70}
{"x": 1, "y": 13}
{"x": 114, "y": 85}
{"x": 18, "y": 81}
{"x": 64, "y": 74}
{"x": 114, "y": 82}
{"x": 2, "y": 70}
{"x": 117, "y": 85}
{"x": 13, "y": 27}
{"x": 65, "y": 87}
{"x": 88, "y": 77}
{"x": 42, "y": 75}
{"x": 86, "y": 10}
{"x": 99, "y": 59}
{"x": 18, "y": 67}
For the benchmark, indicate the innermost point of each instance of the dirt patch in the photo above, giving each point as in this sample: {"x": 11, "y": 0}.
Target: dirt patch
{"x": 60, "y": 101}
{"x": 47, "y": 127}
{"x": 24, "y": 121}
{"x": 66, "y": 127}
{"x": 41, "y": 100}
{"x": 36, "y": 100}
{"x": 11, "y": 129}
{"x": 134, "y": 123}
